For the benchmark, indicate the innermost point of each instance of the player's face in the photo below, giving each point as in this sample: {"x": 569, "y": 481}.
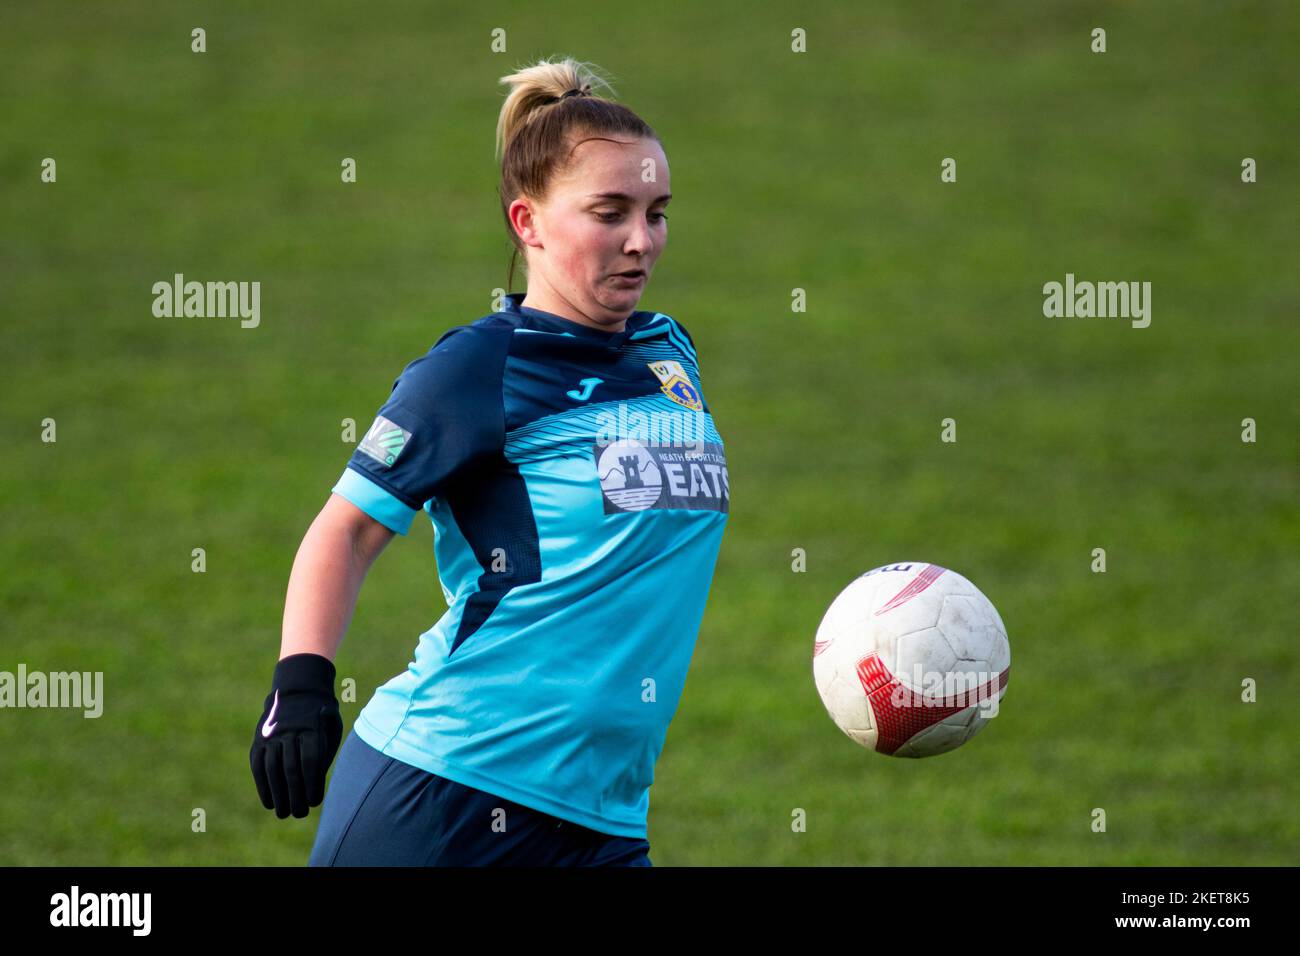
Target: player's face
{"x": 604, "y": 215}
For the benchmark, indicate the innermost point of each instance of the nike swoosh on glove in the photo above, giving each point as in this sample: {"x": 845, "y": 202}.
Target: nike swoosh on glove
{"x": 295, "y": 741}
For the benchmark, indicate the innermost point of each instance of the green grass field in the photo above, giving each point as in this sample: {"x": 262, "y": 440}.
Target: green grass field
{"x": 817, "y": 171}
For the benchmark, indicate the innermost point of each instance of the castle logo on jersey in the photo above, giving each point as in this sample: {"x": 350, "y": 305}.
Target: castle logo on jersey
{"x": 385, "y": 441}
{"x": 676, "y": 384}
{"x": 635, "y": 477}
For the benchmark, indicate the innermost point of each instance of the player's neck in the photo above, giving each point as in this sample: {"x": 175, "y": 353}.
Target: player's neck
{"x": 543, "y": 301}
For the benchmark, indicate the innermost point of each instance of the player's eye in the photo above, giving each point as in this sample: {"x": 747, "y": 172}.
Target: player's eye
{"x": 612, "y": 216}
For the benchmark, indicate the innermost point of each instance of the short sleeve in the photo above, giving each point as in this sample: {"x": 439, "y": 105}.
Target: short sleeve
{"x": 443, "y": 416}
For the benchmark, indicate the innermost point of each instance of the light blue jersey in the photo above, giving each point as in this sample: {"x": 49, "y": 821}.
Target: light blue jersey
{"x": 578, "y": 492}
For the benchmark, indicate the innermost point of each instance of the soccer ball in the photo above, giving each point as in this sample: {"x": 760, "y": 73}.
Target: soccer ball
{"x": 911, "y": 660}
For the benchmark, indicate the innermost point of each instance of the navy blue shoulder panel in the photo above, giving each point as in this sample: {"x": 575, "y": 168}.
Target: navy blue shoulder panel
{"x": 443, "y": 416}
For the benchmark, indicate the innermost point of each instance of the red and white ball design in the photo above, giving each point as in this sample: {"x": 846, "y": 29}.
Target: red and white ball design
{"x": 911, "y": 660}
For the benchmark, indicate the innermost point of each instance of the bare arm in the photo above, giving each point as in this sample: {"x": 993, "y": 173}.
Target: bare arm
{"x": 328, "y": 570}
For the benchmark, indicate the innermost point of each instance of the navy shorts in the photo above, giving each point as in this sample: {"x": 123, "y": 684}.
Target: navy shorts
{"x": 380, "y": 811}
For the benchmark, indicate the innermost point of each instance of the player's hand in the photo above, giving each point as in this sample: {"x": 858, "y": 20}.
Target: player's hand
{"x": 295, "y": 741}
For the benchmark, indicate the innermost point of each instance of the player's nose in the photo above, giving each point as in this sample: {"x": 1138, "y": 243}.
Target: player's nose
{"x": 640, "y": 241}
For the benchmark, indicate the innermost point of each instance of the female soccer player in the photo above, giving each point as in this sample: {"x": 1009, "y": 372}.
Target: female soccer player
{"x": 578, "y": 492}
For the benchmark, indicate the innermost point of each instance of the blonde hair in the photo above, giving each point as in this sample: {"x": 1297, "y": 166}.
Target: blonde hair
{"x": 540, "y": 126}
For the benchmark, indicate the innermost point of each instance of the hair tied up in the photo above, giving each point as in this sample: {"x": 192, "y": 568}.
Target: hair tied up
{"x": 535, "y": 141}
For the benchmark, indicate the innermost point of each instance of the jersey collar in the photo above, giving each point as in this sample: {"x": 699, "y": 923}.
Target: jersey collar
{"x": 550, "y": 322}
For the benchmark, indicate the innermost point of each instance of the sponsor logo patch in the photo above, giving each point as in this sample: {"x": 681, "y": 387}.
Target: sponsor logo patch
{"x": 385, "y": 441}
{"x": 636, "y": 477}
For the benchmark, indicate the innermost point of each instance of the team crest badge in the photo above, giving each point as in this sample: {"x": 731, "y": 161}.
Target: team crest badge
{"x": 674, "y": 383}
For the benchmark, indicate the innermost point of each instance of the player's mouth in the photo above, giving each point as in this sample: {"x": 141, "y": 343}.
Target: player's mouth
{"x": 633, "y": 277}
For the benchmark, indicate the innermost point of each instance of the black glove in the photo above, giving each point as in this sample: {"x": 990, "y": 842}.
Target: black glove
{"x": 298, "y": 735}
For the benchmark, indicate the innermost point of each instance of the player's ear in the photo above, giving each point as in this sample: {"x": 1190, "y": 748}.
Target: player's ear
{"x": 524, "y": 220}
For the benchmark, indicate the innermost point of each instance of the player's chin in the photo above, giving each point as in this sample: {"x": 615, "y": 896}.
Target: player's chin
{"x": 617, "y": 296}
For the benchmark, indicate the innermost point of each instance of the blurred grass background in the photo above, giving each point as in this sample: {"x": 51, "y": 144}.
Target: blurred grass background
{"x": 818, "y": 171}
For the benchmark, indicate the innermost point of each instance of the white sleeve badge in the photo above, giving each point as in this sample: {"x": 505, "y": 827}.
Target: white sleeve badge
{"x": 385, "y": 441}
